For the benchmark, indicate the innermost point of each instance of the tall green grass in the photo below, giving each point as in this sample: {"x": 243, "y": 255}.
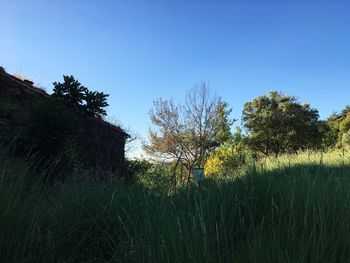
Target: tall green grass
{"x": 288, "y": 209}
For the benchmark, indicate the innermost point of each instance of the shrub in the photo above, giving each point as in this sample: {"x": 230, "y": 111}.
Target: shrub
{"x": 136, "y": 167}
{"x": 225, "y": 160}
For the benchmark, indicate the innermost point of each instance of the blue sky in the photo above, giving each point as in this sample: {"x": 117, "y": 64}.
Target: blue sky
{"x": 139, "y": 50}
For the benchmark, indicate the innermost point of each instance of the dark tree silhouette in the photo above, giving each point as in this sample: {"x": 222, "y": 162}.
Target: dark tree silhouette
{"x": 79, "y": 98}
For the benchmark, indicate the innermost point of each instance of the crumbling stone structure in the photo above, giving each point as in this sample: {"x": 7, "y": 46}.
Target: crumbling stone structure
{"x": 99, "y": 144}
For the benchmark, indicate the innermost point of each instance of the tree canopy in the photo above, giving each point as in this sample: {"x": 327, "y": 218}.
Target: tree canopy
{"x": 277, "y": 123}
{"x": 340, "y": 126}
{"x": 80, "y": 98}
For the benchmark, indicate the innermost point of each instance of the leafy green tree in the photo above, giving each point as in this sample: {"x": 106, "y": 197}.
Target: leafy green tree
{"x": 79, "y": 98}
{"x": 70, "y": 92}
{"x": 95, "y": 103}
{"x": 329, "y": 135}
{"x": 224, "y": 123}
{"x": 340, "y": 125}
{"x": 278, "y": 123}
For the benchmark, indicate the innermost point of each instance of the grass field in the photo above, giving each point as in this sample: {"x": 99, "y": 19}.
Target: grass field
{"x": 289, "y": 209}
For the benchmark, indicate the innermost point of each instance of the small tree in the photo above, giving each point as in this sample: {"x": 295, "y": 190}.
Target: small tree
{"x": 224, "y": 123}
{"x": 187, "y": 133}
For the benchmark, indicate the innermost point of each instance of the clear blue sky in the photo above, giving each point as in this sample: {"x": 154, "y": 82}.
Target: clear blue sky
{"x": 139, "y": 50}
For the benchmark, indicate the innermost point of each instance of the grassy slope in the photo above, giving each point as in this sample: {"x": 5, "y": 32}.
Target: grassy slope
{"x": 291, "y": 209}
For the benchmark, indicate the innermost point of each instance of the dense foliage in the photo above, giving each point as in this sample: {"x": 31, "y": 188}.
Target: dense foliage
{"x": 228, "y": 157}
{"x": 224, "y": 123}
{"x": 80, "y": 98}
{"x": 278, "y": 123}
{"x": 340, "y": 127}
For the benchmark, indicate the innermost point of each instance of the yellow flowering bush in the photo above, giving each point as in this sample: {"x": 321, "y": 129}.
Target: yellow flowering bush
{"x": 224, "y": 160}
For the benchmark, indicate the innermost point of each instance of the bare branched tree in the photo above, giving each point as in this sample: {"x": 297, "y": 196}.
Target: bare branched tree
{"x": 186, "y": 133}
